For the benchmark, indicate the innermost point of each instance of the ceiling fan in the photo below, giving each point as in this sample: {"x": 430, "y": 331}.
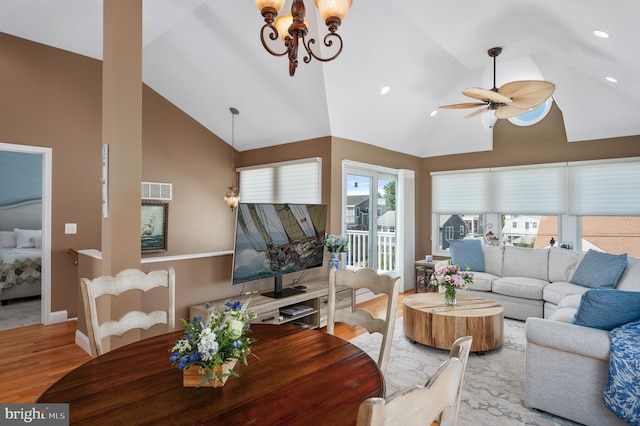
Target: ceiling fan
{"x": 511, "y": 99}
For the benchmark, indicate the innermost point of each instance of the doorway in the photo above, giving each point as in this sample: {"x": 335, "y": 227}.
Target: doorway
{"x": 46, "y": 163}
{"x": 370, "y": 219}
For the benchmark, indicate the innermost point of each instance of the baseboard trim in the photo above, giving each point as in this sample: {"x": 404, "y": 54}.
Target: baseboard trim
{"x": 83, "y": 341}
{"x": 58, "y": 316}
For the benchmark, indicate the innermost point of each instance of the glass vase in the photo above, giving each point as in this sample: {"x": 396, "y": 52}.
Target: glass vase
{"x": 215, "y": 377}
{"x": 449, "y": 295}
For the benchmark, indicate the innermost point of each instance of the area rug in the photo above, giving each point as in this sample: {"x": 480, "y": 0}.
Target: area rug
{"x": 20, "y": 313}
{"x": 493, "y": 390}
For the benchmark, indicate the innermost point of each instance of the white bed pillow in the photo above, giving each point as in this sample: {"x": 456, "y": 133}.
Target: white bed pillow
{"x": 37, "y": 241}
{"x": 7, "y": 239}
{"x": 23, "y": 237}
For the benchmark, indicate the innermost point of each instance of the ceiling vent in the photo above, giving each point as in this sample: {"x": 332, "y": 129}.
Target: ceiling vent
{"x": 156, "y": 191}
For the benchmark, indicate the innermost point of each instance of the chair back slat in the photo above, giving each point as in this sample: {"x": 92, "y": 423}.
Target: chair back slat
{"x": 127, "y": 280}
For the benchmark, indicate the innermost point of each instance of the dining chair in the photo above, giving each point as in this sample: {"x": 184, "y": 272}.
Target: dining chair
{"x": 98, "y": 324}
{"x": 416, "y": 405}
{"x": 378, "y": 284}
{"x": 460, "y": 349}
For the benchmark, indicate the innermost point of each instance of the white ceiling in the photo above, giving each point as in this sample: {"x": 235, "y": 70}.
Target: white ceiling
{"x": 206, "y": 56}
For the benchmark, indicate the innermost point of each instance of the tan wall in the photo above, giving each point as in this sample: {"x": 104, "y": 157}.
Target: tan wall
{"x": 52, "y": 98}
{"x": 545, "y": 142}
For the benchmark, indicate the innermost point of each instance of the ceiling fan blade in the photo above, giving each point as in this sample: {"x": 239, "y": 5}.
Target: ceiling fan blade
{"x": 509, "y": 111}
{"x": 486, "y": 95}
{"x": 477, "y": 112}
{"x": 464, "y": 105}
{"x": 527, "y": 93}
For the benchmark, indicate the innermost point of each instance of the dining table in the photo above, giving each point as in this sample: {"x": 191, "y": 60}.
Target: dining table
{"x": 294, "y": 376}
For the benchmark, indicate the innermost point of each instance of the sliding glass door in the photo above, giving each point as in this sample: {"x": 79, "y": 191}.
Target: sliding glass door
{"x": 370, "y": 219}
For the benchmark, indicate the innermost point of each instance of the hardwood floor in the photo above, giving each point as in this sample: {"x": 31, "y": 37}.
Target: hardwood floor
{"x": 33, "y": 358}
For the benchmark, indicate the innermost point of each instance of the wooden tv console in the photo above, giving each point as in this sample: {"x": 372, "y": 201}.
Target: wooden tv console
{"x": 268, "y": 310}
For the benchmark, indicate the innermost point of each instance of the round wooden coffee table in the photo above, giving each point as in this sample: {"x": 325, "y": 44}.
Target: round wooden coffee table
{"x": 429, "y": 321}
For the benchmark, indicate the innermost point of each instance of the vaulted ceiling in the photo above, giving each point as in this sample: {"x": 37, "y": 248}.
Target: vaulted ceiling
{"x": 205, "y": 56}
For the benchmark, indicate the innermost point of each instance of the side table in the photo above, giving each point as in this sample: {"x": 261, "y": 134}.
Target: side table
{"x": 424, "y": 270}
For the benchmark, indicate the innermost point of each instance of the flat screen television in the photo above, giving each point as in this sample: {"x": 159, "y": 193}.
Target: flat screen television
{"x": 272, "y": 240}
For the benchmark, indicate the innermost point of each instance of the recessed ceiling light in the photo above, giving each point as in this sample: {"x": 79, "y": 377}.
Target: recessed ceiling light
{"x": 385, "y": 90}
{"x": 434, "y": 112}
{"x": 600, "y": 34}
{"x": 611, "y": 79}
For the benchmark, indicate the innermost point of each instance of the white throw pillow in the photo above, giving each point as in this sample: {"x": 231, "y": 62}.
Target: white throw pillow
{"x": 7, "y": 239}
{"x": 23, "y": 237}
{"x": 37, "y": 241}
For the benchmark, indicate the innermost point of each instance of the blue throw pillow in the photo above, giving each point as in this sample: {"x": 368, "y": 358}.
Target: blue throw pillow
{"x": 467, "y": 253}
{"x": 600, "y": 270}
{"x": 607, "y": 308}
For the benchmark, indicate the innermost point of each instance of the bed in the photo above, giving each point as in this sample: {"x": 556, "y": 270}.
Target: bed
{"x": 20, "y": 250}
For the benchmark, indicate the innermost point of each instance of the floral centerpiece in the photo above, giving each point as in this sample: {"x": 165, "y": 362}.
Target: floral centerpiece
{"x": 215, "y": 345}
{"x": 451, "y": 278}
{"x": 335, "y": 245}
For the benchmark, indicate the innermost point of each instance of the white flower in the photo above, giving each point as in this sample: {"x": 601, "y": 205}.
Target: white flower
{"x": 182, "y": 345}
{"x": 235, "y": 327}
{"x": 207, "y": 346}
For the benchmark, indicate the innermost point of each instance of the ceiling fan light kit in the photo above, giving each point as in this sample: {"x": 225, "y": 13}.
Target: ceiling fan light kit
{"x": 292, "y": 29}
{"x": 511, "y": 99}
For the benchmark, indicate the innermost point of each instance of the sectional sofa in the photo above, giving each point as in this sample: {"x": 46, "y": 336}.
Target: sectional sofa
{"x": 567, "y": 326}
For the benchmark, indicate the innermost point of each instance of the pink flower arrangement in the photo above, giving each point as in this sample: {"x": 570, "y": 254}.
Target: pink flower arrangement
{"x": 451, "y": 276}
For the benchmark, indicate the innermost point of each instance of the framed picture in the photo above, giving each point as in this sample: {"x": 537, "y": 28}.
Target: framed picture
{"x": 154, "y": 221}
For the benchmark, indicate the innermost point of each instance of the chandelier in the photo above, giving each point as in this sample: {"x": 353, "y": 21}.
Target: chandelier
{"x": 293, "y": 28}
{"x": 233, "y": 196}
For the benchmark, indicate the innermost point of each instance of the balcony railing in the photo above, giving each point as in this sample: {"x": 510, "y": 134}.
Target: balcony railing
{"x": 358, "y": 253}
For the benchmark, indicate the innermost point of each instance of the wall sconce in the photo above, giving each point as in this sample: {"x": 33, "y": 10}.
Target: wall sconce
{"x": 233, "y": 196}
{"x": 293, "y": 28}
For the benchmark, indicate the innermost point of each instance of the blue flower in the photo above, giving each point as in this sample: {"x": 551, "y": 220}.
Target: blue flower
{"x": 174, "y": 357}
{"x": 236, "y": 344}
{"x": 183, "y": 363}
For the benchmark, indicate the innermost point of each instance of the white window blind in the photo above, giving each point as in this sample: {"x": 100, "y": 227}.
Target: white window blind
{"x": 530, "y": 190}
{"x": 287, "y": 182}
{"x": 609, "y": 188}
{"x": 461, "y": 192}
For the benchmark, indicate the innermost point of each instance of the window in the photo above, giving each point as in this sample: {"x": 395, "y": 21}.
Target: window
{"x": 559, "y": 201}
{"x": 286, "y": 182}
{"x": 449, "y": 235}
{"x": 611, "y": 234}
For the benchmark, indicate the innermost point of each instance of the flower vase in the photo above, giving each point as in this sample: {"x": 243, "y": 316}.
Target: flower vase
{"x": 334, "y": 260}
{"x": 449, "y": 295}
{"x": 191, "y": 377}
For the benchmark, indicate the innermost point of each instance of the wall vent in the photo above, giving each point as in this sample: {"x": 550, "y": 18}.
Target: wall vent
{"x": 156, "y": 191}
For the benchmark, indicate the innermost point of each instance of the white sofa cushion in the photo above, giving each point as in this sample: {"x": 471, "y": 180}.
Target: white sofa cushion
{"x": 557, "y": 291}
{"x": 630, "y": 279}
{"x": 567, "y": 308}
{"x": 493, "y": 259}
{"x": 563, "y": 264}
{"x": 482, "y": 281}
{"x": 526, "y": 262}
{"x": 522, "y": 287}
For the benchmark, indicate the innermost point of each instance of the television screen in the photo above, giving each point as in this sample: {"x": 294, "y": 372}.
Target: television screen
{"x": 276, "y": 239}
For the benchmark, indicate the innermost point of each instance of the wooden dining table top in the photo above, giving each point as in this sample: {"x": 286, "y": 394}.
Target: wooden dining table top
{"x": 294, "y": 376}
